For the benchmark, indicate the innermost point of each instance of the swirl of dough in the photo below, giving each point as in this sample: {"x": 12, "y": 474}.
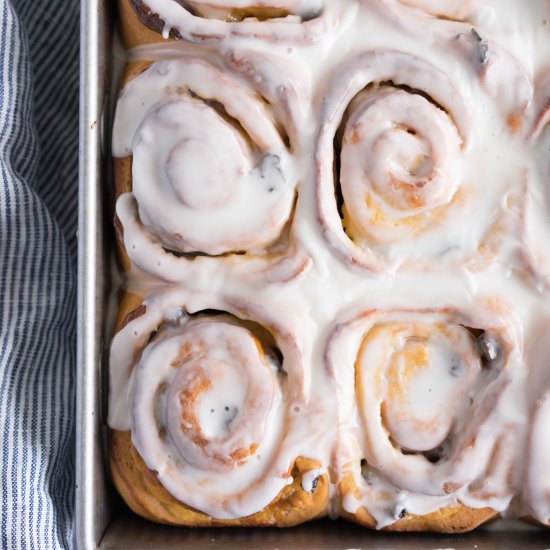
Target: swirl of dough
{"x": 302, "y": 21}
{"x": 394, "y": 130}
{"x": 210, "y": 399}
{"x": 215, "y": 390}
{"x": 401, "y": 151}
{"x": 429, "y": 389}
{"x": 203, "y": 147}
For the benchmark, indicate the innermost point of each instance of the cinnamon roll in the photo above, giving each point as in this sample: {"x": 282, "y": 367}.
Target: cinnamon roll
{"x": 204, "y": 167}
{"x": 213, "y": 21}
{"x": 433, "y": 446}
{"x": 394, "y": 171}
{"x": 208, "y": 414}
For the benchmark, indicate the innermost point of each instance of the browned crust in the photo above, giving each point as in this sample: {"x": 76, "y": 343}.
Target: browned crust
{"x": 532, "y": 521}
{"x": 458, "y": 519}
{"x": 133, "y": 69}
{"x": 145, "y": 495}
{"x": 132, "y": 31}
{"x": 130, "y": 306}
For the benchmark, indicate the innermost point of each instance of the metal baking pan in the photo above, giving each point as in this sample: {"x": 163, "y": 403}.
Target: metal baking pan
{"x": 102, "y": 519}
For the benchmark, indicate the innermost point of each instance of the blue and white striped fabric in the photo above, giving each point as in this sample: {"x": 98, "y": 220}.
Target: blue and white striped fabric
{"x": 38, "y": 211}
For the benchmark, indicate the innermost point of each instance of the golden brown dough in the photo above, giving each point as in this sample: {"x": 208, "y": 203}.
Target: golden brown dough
{"x": 147, "y": 497}
{"x": 132, "y": 31}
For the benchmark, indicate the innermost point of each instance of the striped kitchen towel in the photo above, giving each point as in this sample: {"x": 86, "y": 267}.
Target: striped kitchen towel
{"x": 38, "y": 216}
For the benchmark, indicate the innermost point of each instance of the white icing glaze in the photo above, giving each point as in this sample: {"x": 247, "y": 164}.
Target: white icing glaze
{"x": 192, "y": 457}
{"x": 209, "y": 178}
{"x": 480, "y": 145}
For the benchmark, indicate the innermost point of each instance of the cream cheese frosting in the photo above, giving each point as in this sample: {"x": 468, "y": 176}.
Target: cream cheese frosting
{"x": 400, "y": 263}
